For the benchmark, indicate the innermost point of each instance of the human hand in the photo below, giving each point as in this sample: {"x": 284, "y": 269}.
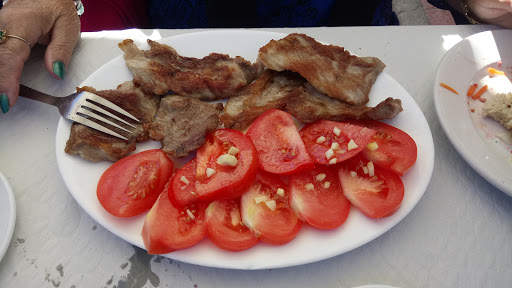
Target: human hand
{"x": 498, "y": 12}
{"x": 49, "y": 22}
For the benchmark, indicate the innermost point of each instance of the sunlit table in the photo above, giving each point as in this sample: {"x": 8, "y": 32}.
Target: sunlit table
{"x": 459, "y": 234}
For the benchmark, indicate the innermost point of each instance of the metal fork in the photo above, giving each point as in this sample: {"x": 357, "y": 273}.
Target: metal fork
{"x": 81, "y": 107}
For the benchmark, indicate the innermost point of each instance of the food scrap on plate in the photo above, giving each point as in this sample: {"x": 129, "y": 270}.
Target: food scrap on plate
{"x": 499, "y": 107}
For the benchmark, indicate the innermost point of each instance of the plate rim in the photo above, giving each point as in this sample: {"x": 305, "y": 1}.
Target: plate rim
{"x": 451, "y": 132}
{"x": 4, "y": 245}
{"x": 427, "y": 170}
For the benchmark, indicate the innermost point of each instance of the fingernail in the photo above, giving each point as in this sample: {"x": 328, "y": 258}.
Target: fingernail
{"x": 58, "y": 69}
{"x": 4, "y": 103}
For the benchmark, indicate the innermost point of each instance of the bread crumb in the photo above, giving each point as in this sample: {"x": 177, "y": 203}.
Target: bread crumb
{"x": 499, "y": 107}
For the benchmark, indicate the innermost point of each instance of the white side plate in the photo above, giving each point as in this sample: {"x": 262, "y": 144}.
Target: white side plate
{"x": 474, "y": 136}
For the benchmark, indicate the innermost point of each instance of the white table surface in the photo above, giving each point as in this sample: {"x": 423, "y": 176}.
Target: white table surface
{"x": 459, "y": 234}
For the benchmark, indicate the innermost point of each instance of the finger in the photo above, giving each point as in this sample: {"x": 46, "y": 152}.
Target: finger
{"x": 13, "y": 54}
{"x": 64, "y": 36}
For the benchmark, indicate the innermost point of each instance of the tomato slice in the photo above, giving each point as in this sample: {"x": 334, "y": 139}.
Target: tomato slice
{"x": 216, "y": 179}
{"x": 377, "y": 194}
{"x": 317, "y": 198}
{"x": 224, "y": 226}
{"x": 182, "y": 187}
{"x": 332, "y": 142}
{"x": 267, "y": 213}
{"x": 280, "y": 147}
{"x": 131, "y": 185}
{"x": 167, "y": 228}
{"x": 396, "y": 150}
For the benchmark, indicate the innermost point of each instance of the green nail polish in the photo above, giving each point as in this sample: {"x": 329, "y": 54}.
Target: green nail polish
{"x": 58, "y": 69}
{"x": 4, "y": 103}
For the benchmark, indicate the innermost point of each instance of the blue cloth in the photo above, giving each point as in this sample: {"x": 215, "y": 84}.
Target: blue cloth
{"x": 269, "y": 13}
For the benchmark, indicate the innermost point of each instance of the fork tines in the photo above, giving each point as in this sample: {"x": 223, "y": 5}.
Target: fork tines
{"x": 88, "y": 111}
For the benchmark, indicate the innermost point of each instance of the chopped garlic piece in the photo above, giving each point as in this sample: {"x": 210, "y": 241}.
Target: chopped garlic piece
{"x": 372, "y": 146}
{"x": 260, "y": 199}
{"x": 184, "y": 180}
{"x": 209, "y": 172}
{"x": 193, "y": 193}
{"x": 309, "y": 186}
{"x": 371, "y": 169}
{"x": 335, "y": 145}
{"x": 351, "y": 145}
{"x": 329, "y": 153}
{"x": 365, "y": 170}
{"x": 336, "y": 131}
{"x": 280, "y": 192}
{"x": 235, "y": 217}
{"x": 333, "y": 161}
{"x": 353, "y": 173}
{"x": 271, "y": 204}
{"x": 320, "y": 140}
{"x": 227, "y": 160}
{"x": 190, "y": 214}
{"x": 320, "y": 177}
{"x": 233, "y": 150}
{"x": 327, "y": 184}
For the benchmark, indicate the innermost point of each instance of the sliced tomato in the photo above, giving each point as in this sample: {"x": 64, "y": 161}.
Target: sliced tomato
{"x": 375, "y": 191}
{"x": 267, "y": 213}
{"x": 331, "y": 142}
{"x": 216, "y": 181}
{"x": 131, "y": 185}
{"x": 167, "y": 228}
{"x": 182, "y": 187}
{"x": 317, "y": 198}
{"x": 224, "y": 226}
{"x": 280, "y": 147}
{"x": 395, "y": 150}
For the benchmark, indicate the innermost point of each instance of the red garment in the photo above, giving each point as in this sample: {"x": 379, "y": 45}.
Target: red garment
{"x": 114, "y": 15}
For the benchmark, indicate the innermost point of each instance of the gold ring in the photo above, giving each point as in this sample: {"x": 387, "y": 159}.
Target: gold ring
{"x": 4, "y": 36}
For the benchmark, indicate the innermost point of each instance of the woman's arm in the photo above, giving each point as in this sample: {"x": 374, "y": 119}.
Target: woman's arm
{"x": 498, "y": 12}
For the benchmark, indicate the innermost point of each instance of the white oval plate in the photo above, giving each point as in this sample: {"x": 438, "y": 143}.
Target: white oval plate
{"x": 472, "y": 135}
{"x": 310, "y": 245}
{"x": 7, "y": 214}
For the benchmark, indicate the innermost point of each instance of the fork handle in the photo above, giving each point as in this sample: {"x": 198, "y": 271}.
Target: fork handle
{"x": 30, "y": 93}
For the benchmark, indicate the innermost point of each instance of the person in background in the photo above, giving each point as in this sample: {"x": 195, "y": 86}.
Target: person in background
{"x": 56, "y": 23}
{"x": 269, "y": 13}
{"x": 497, "y": 12}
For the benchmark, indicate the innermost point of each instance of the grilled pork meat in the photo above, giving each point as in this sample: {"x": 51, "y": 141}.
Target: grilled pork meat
{"x": 94, "y": 145}
{"x": 290, "y": 92}
{"x": 182, "y": 123}
{"x": 312, "y": 106}
{"x": 161, "y": 69}
{"x": 271, "y": 91}
{"x": 330, "y": 69}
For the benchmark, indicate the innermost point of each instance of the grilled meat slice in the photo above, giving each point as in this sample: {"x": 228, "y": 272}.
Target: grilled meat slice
{"x": 271, "y": 90}
{"x": 161, "y": 69}
{"x": 330, "y": 69}
{"x": 182, "y": 123}
{"x": 93, "y": 145}
{"x": 290, "y": 92}
{"x": 312, "y": 106}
